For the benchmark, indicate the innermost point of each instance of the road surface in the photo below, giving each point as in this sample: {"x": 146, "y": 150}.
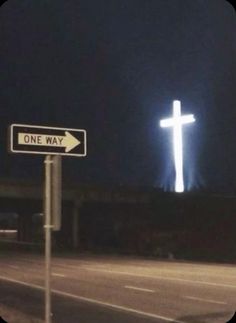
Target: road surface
{"x": 89, "y": 289}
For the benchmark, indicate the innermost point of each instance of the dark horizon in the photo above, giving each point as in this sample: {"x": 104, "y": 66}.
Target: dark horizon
{"x": 114, "y": 69}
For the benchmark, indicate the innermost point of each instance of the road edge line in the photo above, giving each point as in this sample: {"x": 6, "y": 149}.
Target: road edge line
{"x": 93, "y": 301}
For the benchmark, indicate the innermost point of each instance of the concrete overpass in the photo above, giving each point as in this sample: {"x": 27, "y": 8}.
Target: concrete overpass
{"x": 26, "y": 198}
{"x": 192, "y": 223}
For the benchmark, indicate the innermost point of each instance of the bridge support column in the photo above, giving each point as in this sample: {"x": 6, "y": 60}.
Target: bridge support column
{"x": 25, "y": 227}
{"x": 75, "y": 224}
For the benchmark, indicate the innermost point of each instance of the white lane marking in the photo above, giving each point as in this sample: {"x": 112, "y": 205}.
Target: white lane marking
{"x": 58, "y": 275}
{"x": 85, "y": 263}
{"x": 14, "y": 267}
{"x": 140, "y": 289}
{"x": 168, "y": 271}
{"x": 94, "y": 301}
{"x": 161, "y": 277}
{"x": 11, "y": 280}
{"x": 204, "y": 300}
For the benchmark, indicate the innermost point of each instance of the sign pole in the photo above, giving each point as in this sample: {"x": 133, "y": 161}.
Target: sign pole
{"x": 56, "y": 193}
{"x": 52, "y": 142}
{"x": 48, "y": 227}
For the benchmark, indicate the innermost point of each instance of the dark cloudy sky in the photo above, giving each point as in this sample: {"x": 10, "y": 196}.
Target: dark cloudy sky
{"x": 113, "y": 68}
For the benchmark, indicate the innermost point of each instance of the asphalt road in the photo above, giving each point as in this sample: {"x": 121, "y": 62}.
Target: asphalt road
{"x": 120, "y": 289}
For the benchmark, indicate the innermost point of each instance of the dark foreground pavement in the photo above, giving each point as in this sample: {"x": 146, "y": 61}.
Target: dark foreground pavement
{"x": 118, "y": 290}
{"x": 30, "y": 302}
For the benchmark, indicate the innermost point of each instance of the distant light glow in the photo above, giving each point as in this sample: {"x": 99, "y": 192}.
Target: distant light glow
{"x": 176, "y": 122}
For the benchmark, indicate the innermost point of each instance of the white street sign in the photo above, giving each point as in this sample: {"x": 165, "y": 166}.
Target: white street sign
{"x": 47, "y": 140}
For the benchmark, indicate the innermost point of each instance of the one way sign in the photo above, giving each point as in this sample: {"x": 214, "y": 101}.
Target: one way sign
{"x": 30, "y": 139}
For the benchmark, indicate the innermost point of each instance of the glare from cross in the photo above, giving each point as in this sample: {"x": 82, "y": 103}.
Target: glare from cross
{"x": 177, "y": 121}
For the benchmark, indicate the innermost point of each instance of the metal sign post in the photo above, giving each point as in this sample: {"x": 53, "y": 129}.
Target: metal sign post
{"x": 56, "y": 196}
{"x": 52, "y": 142}
{"x": 52, "y": 211}
{"x": 47, "y": 227}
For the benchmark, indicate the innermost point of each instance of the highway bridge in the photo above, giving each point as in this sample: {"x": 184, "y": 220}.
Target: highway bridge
{"x": 25, "y": 199}
{"x": 138, "y": 221}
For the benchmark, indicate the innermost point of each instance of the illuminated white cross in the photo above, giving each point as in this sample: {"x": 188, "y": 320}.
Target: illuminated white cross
{"x": 176, "y": 122}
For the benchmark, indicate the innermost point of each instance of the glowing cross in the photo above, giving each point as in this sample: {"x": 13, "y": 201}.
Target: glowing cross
{"x": 176, "y": 122}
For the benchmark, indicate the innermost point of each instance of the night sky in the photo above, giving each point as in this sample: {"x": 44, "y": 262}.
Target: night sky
{"x": 113, "y": 67}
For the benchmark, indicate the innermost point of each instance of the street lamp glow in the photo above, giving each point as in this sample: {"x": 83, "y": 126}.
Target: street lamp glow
{"x": 176, "y": 122}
